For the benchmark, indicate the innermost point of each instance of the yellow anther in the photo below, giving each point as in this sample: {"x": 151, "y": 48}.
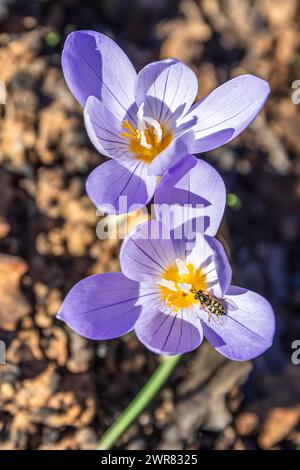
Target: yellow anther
{"x": 126, "y": 125}
{"x": 178, "y": 284}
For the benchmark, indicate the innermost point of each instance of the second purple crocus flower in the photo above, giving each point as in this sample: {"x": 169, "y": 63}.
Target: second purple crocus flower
{"x": 155, "y": 295}
{"x": 145, "y": 122}
{"x": 164, "y": 265}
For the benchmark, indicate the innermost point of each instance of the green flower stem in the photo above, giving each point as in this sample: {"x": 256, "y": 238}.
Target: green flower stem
{"x": 139, "y": 403}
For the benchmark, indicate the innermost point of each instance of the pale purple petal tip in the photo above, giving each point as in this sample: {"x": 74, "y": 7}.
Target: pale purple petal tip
{"x": 102, "y": 306}
{"x": 94, "y": 65}
{"x": 168, "y": 334}
{"x": 117, "y": 189}
{"x": 231, "y": 106}
{"x": 168, "y": 88}
{"x": 249, "y": 327}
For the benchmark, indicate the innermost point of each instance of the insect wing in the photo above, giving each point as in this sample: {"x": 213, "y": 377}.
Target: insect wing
{"x": 229, "y": 305}
{"x": 219, "y": 320}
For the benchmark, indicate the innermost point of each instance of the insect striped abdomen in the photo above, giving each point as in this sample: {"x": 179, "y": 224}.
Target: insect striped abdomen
{"x": 215, "y": 307}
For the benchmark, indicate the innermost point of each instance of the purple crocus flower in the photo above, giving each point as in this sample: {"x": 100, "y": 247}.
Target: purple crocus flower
{"x": 145, "y": 122}
{"x": 173, "y": 290}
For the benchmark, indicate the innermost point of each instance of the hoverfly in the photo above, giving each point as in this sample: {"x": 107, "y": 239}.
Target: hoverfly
{"x": 214, "y": 307}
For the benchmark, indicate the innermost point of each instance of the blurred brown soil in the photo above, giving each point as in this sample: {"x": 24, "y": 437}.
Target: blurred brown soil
{"x": 60, "y": 391}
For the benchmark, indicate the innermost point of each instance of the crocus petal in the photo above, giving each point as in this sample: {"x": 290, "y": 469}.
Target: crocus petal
{"x": 248, "y": 330}
{"x": 111, "y": 181}
{"x": 147, "y": 252}
{"x": 169, "y": 334}
{"x": 222, "y": 265}
{"x": 168, "y": 88}
{"x": 213, "y": 141}
{"x": 104, "y": 129}
{"x": 192, "y": 189}
{"x": 102, "y": 306}
{"x": 94, "y": 65}
{"x": 232, "y": 105}
{"x": 174, "y": 153}
{"x": 208, "y": 254}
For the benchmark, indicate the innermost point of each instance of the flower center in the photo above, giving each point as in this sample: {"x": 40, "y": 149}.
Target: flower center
{"x": 178, "y": 283}
{"x": 149, "y": 139}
